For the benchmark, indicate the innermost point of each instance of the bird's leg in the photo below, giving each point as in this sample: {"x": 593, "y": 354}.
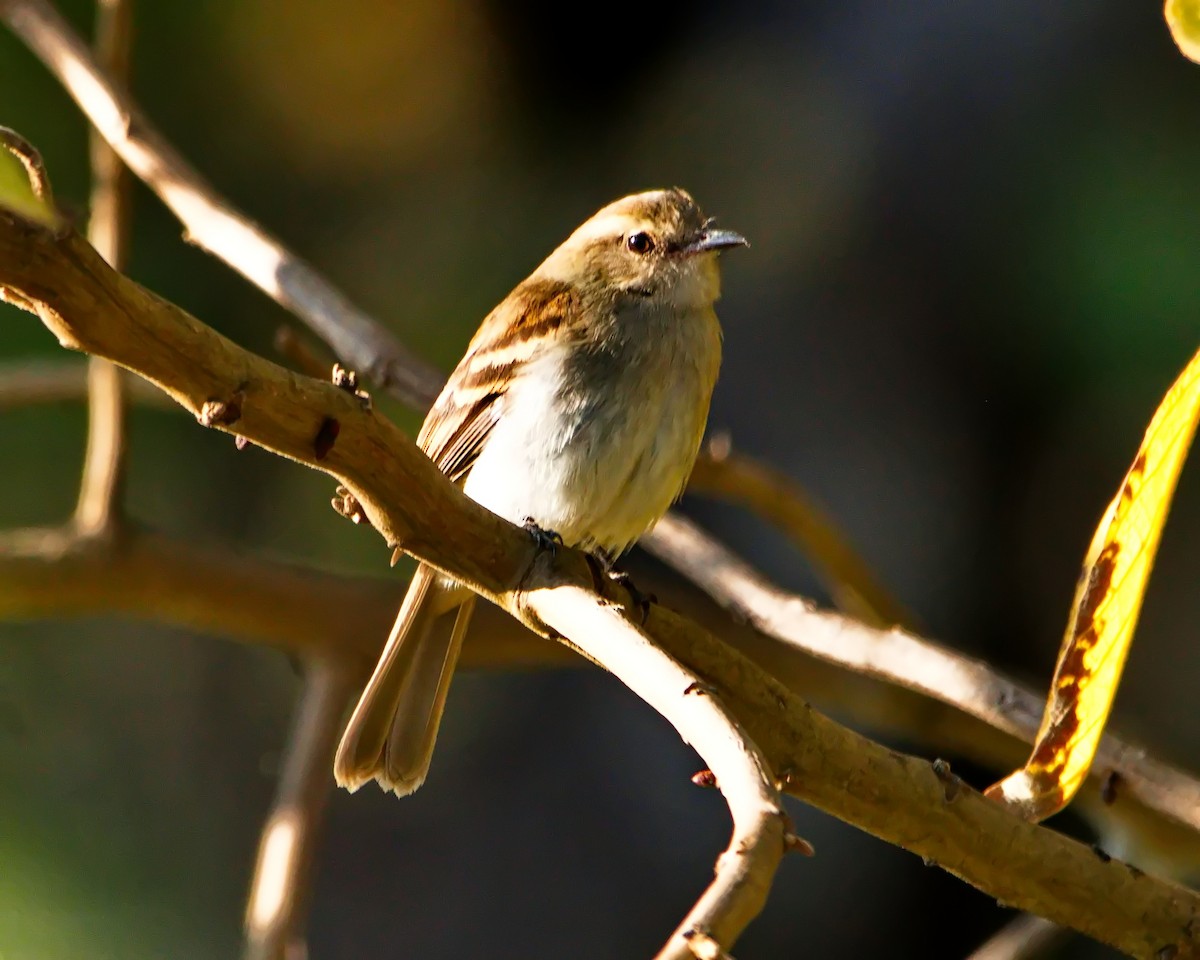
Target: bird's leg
{"x": 608, "y": 564}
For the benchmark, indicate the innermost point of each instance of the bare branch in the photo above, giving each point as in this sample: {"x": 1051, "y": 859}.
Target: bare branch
{"x": 281, "y": 891}
{"x": 902, "y": 658}
{"x": 901, "y": 799}
{"x": 50, "y": 572}
{"x": 746, "y": 869}
{"x": 211, "y": 223}
{"x": 108, "y": 230}
{"x": 932, "y": 813}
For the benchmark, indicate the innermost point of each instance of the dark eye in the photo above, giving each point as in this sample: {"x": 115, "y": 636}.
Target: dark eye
{"x": 640, "y": 243}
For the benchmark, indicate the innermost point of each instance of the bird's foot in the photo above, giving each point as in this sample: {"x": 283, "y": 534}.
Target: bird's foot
{"x": 600, "y": 562}
{"x": 544, "y": 539}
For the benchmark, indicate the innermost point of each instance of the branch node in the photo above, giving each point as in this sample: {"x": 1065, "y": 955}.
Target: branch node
{"x": 347, "y": 380}
{"x": 346, "y": 504}
{"x": 221, "y": 413}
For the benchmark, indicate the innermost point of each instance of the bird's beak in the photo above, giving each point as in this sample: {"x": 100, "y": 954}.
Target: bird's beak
{"x": 712, "y": 239}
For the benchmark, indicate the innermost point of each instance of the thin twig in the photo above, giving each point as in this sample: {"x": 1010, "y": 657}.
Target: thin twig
{"x": 281, "y": 891}
{"x": 1025, "y": 937}
{"x": 746, "y": 869}
{"x": 408, "y": 501}
{"x": 211, "y": 222}
{"x": 98, "y": 506}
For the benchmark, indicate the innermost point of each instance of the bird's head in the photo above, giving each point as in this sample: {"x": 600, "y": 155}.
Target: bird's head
{"x": 655, "y": 244}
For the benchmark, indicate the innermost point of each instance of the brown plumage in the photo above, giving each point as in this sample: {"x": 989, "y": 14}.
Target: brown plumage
{"x": 579, "y": 406}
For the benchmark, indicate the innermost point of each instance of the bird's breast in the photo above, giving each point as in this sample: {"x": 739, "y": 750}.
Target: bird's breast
{"x": 597, "y": 439}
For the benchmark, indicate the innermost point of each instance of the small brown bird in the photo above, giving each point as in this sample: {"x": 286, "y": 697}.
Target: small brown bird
{"x": 578, "y": 410}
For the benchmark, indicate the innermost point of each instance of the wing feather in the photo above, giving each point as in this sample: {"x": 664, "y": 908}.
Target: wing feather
{"x": 472, "y": 401}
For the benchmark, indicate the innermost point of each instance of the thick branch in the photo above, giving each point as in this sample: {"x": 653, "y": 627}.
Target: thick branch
{"x": 256, "y": 599}
{"x": 893, "y": 796}
{"x": 210, "y": 221}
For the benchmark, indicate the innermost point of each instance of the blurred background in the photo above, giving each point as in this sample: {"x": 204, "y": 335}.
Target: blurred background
{"x": 973, "y": 275}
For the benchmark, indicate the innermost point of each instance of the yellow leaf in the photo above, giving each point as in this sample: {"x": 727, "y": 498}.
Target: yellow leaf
{"x": 1183, "y": 19}
{"x": 1107, "y": 602}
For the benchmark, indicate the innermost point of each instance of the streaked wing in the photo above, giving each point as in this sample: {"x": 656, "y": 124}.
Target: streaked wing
{"x": 472, "y": 401}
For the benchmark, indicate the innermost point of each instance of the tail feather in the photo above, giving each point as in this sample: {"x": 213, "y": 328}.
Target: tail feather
{"x": 419, "y": 714}
{"x": 391, "y": 734}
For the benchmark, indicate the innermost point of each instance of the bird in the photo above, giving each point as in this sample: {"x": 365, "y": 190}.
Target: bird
{"x": 577, "y": 411}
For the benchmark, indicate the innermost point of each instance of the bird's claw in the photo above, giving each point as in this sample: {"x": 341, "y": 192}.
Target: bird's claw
{"x": 543, "y": 539}
{"x": 641, "y": 601}
{"x": 600, "y": 563}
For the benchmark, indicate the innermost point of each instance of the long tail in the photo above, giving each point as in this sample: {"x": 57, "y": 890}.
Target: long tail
{"x": 391, "y": 733}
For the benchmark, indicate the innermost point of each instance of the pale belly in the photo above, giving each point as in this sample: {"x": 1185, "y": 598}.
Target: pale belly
{"x": 598, "y": 467}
